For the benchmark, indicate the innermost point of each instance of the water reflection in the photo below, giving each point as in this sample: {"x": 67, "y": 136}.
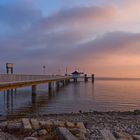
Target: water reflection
{"x": 101, "y": 96}
{"x": 17, "y": 103}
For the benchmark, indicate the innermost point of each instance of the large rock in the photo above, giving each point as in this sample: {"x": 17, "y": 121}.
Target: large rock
{"x": 82, "y": 128}
{"x": 123, "y": 136}
{"x": 34, "y": 134}
{"x": 70, "y": 124}
{"x": 74, "y": 131}
{"x": 136, "y": 137}
{"x": 107, "y": 135}
{"x": 30, "y": 138}
{"x": 42, "y": 132}
{"x": 14, "y": 126}
{"x": 45, "y": 124}
{"x": 3, "y": 125}
{"x": 59, "y": 123}
{"x": 65, "y": 134}
{"x": 26, "y": 124}
{"x": 35, "y": 124}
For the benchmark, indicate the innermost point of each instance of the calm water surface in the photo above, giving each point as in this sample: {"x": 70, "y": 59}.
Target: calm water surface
{"x": 103, "y": 95}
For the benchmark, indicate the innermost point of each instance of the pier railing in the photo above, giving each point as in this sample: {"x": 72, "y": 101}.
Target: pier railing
{"x": 21, "y": 77}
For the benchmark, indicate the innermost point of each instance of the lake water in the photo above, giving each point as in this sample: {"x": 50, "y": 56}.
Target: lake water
{"x": 102, "y": 95}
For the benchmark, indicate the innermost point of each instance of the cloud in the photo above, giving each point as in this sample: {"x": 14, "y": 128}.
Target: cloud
{"x": 85, "y": 36}
{"x": 17, "y": 17}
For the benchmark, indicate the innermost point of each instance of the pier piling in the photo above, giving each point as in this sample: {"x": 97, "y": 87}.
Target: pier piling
{"x": 49, "y": 86}
{"x": 33, "y": 89}
{"x": 57, "y": 84}
{"x": 92, "y": 77}
{"x": 86, "y": 78}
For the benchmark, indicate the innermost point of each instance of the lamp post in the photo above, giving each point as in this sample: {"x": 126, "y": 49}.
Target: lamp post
{"x": 44, "y": 69}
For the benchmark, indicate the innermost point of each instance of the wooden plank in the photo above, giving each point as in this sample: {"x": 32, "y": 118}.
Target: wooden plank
{"x": 107, "y": 135}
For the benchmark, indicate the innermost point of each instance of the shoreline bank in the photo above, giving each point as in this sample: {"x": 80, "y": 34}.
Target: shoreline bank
{"x": 95, "y": 122}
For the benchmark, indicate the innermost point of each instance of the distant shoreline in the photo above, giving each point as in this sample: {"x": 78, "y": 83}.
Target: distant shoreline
{"x": 115, "y": 78}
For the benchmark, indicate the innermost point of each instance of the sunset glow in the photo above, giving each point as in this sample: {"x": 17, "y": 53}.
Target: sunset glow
{"x": 92, "y": 36}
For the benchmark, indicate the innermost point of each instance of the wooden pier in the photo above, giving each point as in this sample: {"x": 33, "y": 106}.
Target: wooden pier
{"x": 13, "y": 81}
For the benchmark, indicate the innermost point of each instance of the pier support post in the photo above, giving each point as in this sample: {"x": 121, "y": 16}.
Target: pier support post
{"x": 33, "y": 89}
{"x": 57, "y": 84}
{"x": 63, "y": 82}
{"x": 86, "y": 78}
{"x": 67, "y": 81}
{"x": 75, "y": 79}
{"x": 50, "y": 86}
{"x": 92, "y": 78}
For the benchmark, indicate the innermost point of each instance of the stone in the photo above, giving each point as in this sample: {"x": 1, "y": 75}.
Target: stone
{"x": 14, "y": 126}
{"x": 107, "y": 135}
{"x": 34, "y": 134}
{"x": 6, "y": 136}
{"x": 35, "y": 124}
{"x": 65, "y": 134}
{"x": 74, "y": 131}
{"x": 42, "y": 132}
{"x": 82, "y": 136}
{"x": 30, "y": 138}
{"x": 70, "y": 124}
{"x": 48, "y": 137}
{"x": 123, "y": 135}
{"x": 46, "y": 124}
{"x": 26, "y": 124}
{"x": 59, "y": 123}
{"x": 136, "y": 137}
{"x": 82, "y": 128}
{"x": 3, "y": 125}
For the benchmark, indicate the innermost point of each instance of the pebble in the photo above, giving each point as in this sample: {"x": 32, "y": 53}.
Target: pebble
{"x": 114, "y": 122}
{"x": 34, "y": 134}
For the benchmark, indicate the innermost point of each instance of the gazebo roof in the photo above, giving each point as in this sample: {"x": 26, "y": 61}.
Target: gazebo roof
{"x": 76, "y": 72}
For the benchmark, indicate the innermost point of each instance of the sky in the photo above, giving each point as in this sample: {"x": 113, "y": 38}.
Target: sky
{"x": 92, "y": 36}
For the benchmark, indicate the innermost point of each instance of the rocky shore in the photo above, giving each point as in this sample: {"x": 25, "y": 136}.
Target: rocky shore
{"x": 74, "y": 126}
